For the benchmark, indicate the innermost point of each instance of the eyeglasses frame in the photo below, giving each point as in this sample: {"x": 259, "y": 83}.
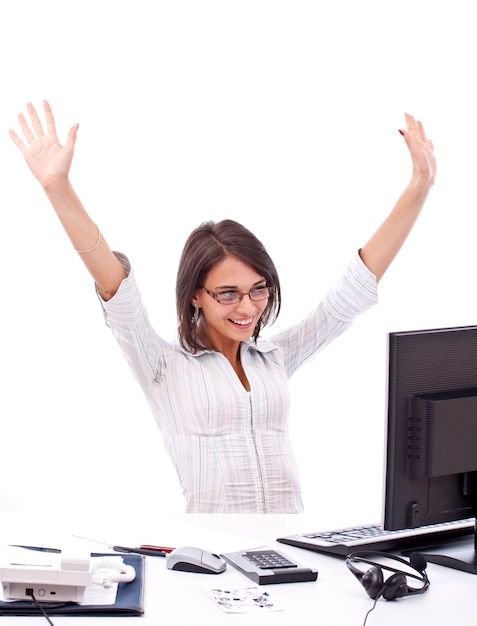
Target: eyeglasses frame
{"x": 216, "y": 296}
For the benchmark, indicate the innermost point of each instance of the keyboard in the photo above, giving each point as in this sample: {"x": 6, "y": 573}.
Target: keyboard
{"x": 372, "y": 537}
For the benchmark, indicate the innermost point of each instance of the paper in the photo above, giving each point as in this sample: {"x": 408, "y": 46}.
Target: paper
{"x": 245, "y": 600}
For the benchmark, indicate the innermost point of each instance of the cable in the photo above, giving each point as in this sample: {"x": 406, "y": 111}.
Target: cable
{"x": 370, "y": 610}
{"x": 39, "y": 607}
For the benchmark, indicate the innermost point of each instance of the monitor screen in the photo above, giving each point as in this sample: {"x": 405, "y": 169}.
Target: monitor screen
{"x": 431, "y": 438}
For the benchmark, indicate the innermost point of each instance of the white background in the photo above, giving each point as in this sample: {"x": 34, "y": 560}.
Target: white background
{"x": 283, "y": 115}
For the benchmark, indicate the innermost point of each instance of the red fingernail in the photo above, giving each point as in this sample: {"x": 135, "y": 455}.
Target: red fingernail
{"x": 402, "y": 132}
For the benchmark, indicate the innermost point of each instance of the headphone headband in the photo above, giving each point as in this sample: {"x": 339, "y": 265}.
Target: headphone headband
{"x": 396, "y": 585}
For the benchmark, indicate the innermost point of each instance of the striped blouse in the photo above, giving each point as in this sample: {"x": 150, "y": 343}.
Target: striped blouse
{"x": 230, "y": 447}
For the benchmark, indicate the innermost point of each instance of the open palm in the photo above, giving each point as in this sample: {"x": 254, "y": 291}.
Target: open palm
{"x": 46, "y": 157}
{"x": 421, "y": 149}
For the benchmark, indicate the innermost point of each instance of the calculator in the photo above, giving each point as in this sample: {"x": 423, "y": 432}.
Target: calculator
{"x": 266, "y": 567}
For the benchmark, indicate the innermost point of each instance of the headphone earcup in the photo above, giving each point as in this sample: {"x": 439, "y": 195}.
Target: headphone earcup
{"x": 372, "y": 581}
{"x": 395, "y": 587}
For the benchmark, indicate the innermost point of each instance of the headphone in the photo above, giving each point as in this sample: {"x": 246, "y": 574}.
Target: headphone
{"x": 396, "y": 585}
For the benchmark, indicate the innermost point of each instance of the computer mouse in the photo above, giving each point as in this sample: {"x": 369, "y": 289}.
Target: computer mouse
{"x": 189, "y": 559}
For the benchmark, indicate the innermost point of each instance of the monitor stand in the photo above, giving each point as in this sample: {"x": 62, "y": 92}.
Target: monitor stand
{"x": 459, "y": 553}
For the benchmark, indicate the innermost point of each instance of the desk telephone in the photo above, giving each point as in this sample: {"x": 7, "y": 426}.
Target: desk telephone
{"x": 58, "y": 577}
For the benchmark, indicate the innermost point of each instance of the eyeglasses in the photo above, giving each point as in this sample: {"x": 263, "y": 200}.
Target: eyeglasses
{"x": 234, "y": 297}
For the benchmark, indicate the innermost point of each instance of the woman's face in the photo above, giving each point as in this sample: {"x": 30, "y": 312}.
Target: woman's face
{"x": 225, "y": 324}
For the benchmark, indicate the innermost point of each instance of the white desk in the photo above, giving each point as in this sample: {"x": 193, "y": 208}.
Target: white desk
{"x": 336, "y": 598}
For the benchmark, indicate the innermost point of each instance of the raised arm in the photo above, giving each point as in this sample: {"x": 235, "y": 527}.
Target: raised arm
{"x": 383, "y": 246}
{"x": 50, "y": 163}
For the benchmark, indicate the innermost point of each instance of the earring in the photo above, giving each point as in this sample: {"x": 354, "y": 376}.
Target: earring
{"x": 195, "y": 317}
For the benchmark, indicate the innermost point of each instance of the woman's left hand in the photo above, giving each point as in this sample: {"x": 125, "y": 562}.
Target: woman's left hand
{"x": 421, "y": 149}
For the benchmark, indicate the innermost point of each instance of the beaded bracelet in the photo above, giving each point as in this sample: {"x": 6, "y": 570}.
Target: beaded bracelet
{"x": 95, "y": 245}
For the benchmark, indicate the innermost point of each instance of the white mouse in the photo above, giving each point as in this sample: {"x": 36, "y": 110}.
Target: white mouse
{"x": 189, "y": 559}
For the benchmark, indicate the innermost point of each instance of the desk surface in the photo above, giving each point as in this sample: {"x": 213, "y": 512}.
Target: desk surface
{"x": 336, "y": 598}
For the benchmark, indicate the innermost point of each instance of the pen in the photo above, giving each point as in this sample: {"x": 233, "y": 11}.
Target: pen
{"x": 146, "y": 550}
{"x": 162, "y": 548}
{"x": 37, "y": 548}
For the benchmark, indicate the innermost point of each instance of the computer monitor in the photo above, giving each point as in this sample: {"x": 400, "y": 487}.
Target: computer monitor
{"x": 431, "y": 451}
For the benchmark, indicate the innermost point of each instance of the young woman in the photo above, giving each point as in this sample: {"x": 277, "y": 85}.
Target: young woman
{"x": 219, "y": 395}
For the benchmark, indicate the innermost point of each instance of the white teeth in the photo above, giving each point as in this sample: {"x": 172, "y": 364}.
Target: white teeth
{"x": 242, "y": 322}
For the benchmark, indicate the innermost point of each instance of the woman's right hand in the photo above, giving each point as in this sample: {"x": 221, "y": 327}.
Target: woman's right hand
{"x": 48, "y": 160}
{"x": 50, "y": 163}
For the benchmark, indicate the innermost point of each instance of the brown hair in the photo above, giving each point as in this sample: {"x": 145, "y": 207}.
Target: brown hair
{"x": 206, "y": 245}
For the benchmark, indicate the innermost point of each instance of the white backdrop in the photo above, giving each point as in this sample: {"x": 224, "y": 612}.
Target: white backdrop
{"x": 283, "y": 115}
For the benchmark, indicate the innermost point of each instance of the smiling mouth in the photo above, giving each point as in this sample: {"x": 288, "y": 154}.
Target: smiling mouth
{"x": 246, "y": 322}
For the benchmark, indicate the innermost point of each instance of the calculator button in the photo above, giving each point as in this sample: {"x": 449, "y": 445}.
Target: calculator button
{"x": 268, "y": 560}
